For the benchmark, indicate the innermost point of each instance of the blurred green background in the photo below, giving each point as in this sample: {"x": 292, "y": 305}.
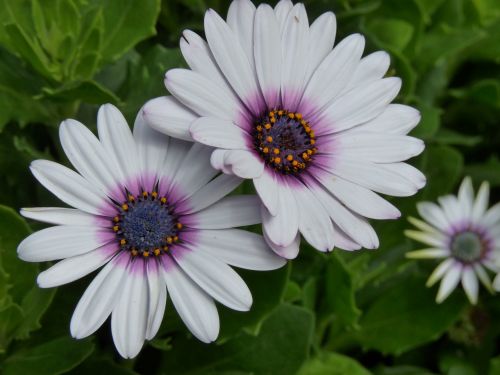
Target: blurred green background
{"x": 358, "y": 313}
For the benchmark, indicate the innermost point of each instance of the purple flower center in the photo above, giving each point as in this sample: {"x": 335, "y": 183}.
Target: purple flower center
{"x": 285, "y": 141}
{"x": 468, "y": 246}
{"x": 146, "y": 225}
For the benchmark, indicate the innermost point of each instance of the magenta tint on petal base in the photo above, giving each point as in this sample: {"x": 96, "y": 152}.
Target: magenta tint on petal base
{"x": 105, "y": 236}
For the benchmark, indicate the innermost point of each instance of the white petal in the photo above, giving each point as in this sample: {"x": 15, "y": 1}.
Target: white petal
{"x": 483, "y": 277}
{"x": 244, "y": 164}
{"x": 196, "y": 309}
{"x": 201, "y": 95}
{"x": 99, "y": 299}
{"x": 282, "y": 228}
{"x": 433, "y": 214}
{"x": 157, "y": 296}
{"x": 343, "y": 241}
{"x": 376, "y": 147}
{"x": 268, "y": 62}
{"x": 152, "y": 150}
{"x": 267, "y": 188}
{"x": 200, "y": 59}
{"x": 281, "y": 10}
{"x": 117, "y": 139}
{"x": 61, "y": 241}
{"x": 129, "y": 317}
{"x": 216, "y": 278}
{"x": 376, "y": 177}
{"x": 359, "y": 199}
{"x": 432, "y": 239}
{"x": 295, "y": 61}
{"x": 212, "y": 192}
{"x": 321, "y": 38}
{"x": 351, "y": 224}
{"x": 422, "y": 225}
{"x": 333, "y": 74}
{"x": 369, "y": 69}
{"x": 229, "y": 212}
{"x": 466, "y": 196}
{"x": 451, "y": 208}
{"x": 496, "y": 283}
{"x": 395, "y": 119}
{"x": 169, "y": 116}
{"x": 217, "y": 161}
{"x": 359, "y": 105}
{"x": 219, "y": 133}
{"x": 449, "y": 283}
{"x": 232, "y": 59}
{"x": 240, "y": 18}
{"x": 176, "y": 153}
{"x": 481, "y": 203}
{"x": 70, "y": 187}
{"x": 76, "y": 267}
{"x": 288, "y": 252}
{"x": 194, "y": 171}
{"x": 60, "y": 216}
{"x": 88, "y": 155}
{"x": 439, "y": 272}
{"x": 470, "y": 284}
{"x": 428, "y": 254}
{"x": 314, "y": 223}
{"x": 492, "y": 216}
{"x": 408, "y": 172}
{"x": 238, "y": 248}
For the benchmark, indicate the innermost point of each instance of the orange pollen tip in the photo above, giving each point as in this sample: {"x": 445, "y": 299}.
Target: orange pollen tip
{"x": 123, "y": 241}
{"x": 280, "y": 113}
{"x": 309, "y": 152}
{"x": 291, "y": 115}
{"x": 295, "y": 163}
{"x": 277, "y": 160}
{"x": 299, "y": 116}
{"x": 179, "y": 225}
{"x": 269, "y": 138}
{"x": 276, "y": 151}
{"x": 124, "y": 207}
{"x": 271, "y": 114}
{"x": 116, "y": 219}
{"x": 313, "y": 141}
{"x": 289, "y": 158}
{"x": 145, "y": 254}
{"x": 157, "y": 252}
{"x": 163, "y": 200}
{"x": 303, "y": 123}
{"x": 154, "y": 194}
{"x": 134, "y": 252}
{"x": 273, "y": 120}
{"x": 169, "y": 240}
{"x": 176, "y": 238}
{"x": 265, "y": 150}
{"x": 267, "y": 126}
{"x": 259, "y": 128}
{"x": 116, "y": 228}
{"x": 131, "y": 198}
{"x": 165, "y": 248}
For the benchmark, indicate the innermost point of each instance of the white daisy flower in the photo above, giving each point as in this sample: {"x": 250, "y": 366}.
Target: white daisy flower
{"x": 465, "y": 234}
{"x": 151, "y": 211}
{"x": 310, "y": 124}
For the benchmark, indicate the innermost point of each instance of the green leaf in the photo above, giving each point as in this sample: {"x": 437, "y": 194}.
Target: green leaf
{"x": 390, "y": 33}
{"x": 451, "y": 137}
{"x": 406, "y": 316}
{"x": 487, "y": 171}
{"x": 51, "y": 358}
{"x": 403, "y": 370}
{"x": 89, "y": 91}
{"x": 339, "y": 292}
{"x": 280, "y": 348}
{"x": 332, "y": 364}
{"x": 494, "y": 366}
{"x": 101, "y": 366}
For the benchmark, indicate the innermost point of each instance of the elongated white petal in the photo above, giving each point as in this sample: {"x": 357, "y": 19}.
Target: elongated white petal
{"x": 238, "y": 248}
{"x": 470, "y": 284}
{"x": 492, "y": 216}
{"x": 195, "y": 307}
{"x": 496, "y": 283}
{"x": 70, "y": 187}
{"x": 267, "y": 40}
{"x": 395, "y": 119}
{"x": 212, "y": 192}
{"x": 231, "y": 58}
{"x": 229, "y": 212}
{"x": 282, "y": 228}
{"x": 466, "y": 196}
{"x": 216, "y": 278}
{"x": 267, "y": 188}
{"x": 219, "y": 133}
{"x": 60, "y": 216}
{"x": 428, "y": 254}
{"x": 314, "y": 223}
{"x": 343, "y": 241}
{"x": 88, "y": 155}
{"x": 132, "y": 306}
{"x": 449, "y": 282}
{"x": 152, "y": 150}
{"x": 321, "y": 38}
{"x": 117, "y": 139}
{"x": 481, "y": 203}
{"x": 483, "y": 277}
{"x": 359, "y": 105}
{"x": 98, "y": 300}
{"x": 167, "y": 115}
{"x": 369, "y": 69}
{"x": 359, "y": 199}
{"x": 439, "y": 272}
{"x": 423, "y": 226}
{"x": 176, "y": 153}
{"x": 62, "y": 241}
{"x": 451, "y": 208}
{"x": 240, "y": 18}
{"x": 201, "y": 95}
{"x": 433, "y": 214}
{"x": 282, "y": 8}
{"x": 76, "y": 267}
{"x": 217, "y": 161}
{"x": 432, "y": 239}
{"x": 244, "y": 164}
{"x": 157, "y": 298}
{"x": 294, "y": 69}
{"x": 333, "y": 74}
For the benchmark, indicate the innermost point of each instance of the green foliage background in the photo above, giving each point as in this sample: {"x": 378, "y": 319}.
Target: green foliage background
{"x": 358, "y": 313}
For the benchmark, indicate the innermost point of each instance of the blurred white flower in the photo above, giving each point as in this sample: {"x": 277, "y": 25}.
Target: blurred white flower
{"x": 463, "y": 232}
